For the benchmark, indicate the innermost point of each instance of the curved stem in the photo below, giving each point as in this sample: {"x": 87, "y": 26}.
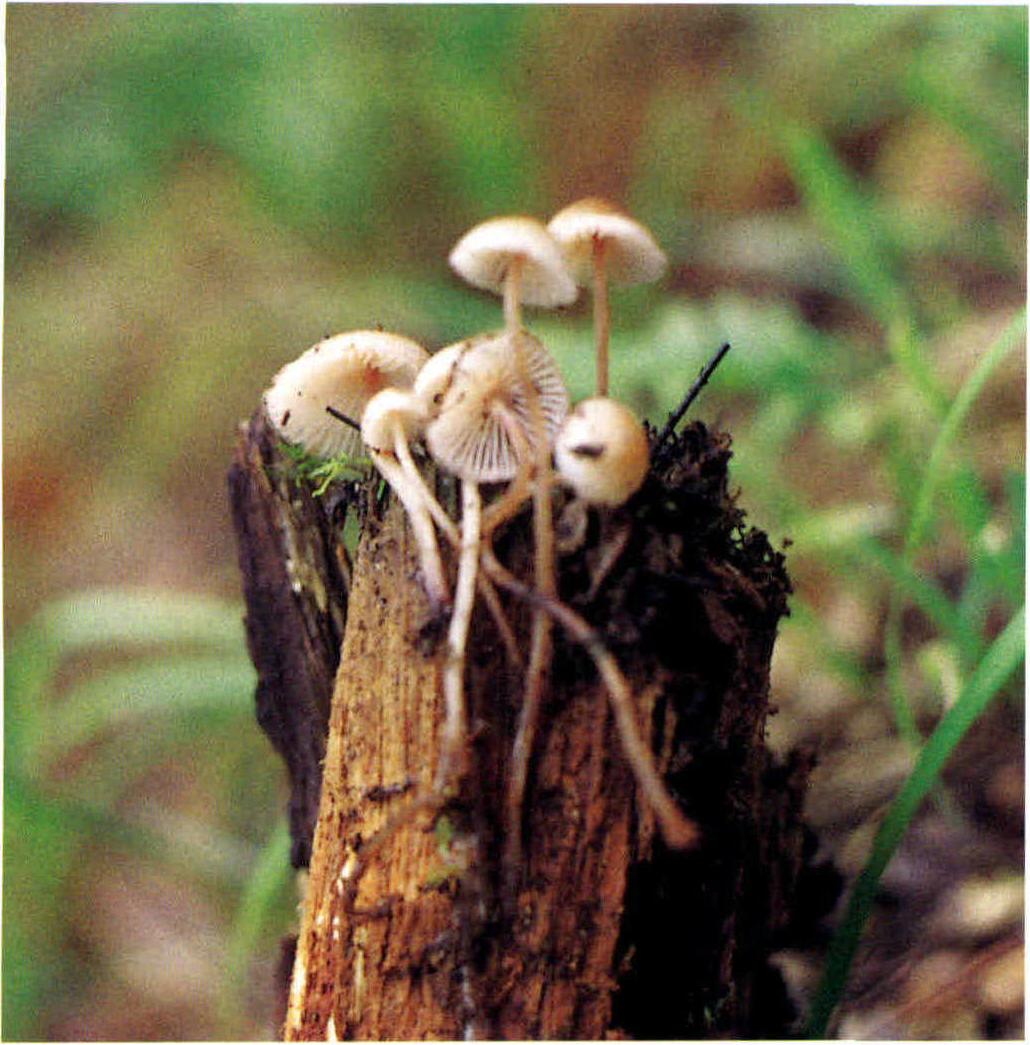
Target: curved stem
{"x": 602, "y": 312}
{"x": 678, "y": 831}
{"x": 452, "y": 533}
{"x": 421, "y": 524}
{"x": 454, "y": 728}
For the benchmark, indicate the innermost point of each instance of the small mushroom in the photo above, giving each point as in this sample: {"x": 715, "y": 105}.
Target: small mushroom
{"x": 431, "y": 386}
{"x": 601, "y": 452}
{"x": 484, "y": 408}
{"x": 596, "y": 235}
{"x": 339, "y": 374}
{"x": 390, "y": 419}
{"x": 516, "y": 258}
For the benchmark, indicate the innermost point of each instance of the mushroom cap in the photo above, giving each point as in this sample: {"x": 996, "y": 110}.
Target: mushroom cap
{"x": 343, "y": 372}
{"x": 434, "y": 379}
{"x": 471, "y": 435}
{"x": 631, "y": 255}
{"x": 385, "y": 409}
{"x": 485, "y": 253}
{"x": 602, "y": 452}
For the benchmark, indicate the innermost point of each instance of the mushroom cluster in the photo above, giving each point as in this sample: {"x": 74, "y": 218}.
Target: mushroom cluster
{"x": 493, "y": 411}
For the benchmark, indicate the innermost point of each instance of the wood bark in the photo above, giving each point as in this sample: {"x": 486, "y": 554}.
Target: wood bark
{"x": 603, "y": 931}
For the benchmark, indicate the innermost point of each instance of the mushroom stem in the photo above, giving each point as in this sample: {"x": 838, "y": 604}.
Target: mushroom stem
{"x": 393, "y": 471}
{"x": 520, "y": 488}
{"x": 454, "y": 728}
{"x": 513, "y": 294}
{"x": 602, "y": 312}
{"x": 451, "y": 532}
{"x": 540, "y": 635}
{"x": 678, "y": 831}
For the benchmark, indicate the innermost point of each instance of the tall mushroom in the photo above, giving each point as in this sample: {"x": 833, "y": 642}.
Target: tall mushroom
{"x": 339, "y": 374}
{"x": 599, "y": 238}
{"x": 517, "y": 258}
{"x": 479, "y": 434}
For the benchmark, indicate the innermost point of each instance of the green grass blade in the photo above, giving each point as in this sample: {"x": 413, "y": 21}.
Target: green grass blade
{"x": 120, "y": 617}
{"x": 952, "y": 423}
{"x": 835, "y": 199}
{"x": 922, "y": 591}
{"x": 260, "y": 903}
{"x": 187, "y": 685}
{"x": 937, "y": 91}
{"x": 923, "y": 507}
{"x": 995, "y": 669}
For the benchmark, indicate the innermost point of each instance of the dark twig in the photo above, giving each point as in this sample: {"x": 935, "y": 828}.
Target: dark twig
{"x": 702, "y": 379}
{"x": 331, "y": 410}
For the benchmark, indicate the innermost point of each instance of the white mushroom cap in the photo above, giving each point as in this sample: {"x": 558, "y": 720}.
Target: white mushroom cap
{"x": 485, "y": 253}
{"x": 471, "y": 435}
{"x": 602, "y": 452}
{"x": 342, "y": 372}
{"x": 631, "y": 255}
{"x": 434, "y": 379}
{"x": 385, "y": 409}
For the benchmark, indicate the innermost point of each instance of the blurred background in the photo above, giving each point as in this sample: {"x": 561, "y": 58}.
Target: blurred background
{"x": 197, "y": 194}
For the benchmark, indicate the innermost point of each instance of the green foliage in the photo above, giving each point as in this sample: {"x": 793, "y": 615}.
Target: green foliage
{"x": 993, "y": 672}
{"x": 93, "y": 671}
{"x": 296, "y": 102}
{"x": 322, "y": 472}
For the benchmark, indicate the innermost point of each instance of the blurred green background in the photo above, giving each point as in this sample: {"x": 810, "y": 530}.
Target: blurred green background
{"x": 197, "y": 194}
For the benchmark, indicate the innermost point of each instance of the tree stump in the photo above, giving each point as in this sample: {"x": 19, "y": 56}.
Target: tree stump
{"x": 602, "y": 932}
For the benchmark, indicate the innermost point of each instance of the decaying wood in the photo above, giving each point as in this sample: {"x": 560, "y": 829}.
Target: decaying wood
{"x": 602, "y": 931}
{"x": 294, "y": 584}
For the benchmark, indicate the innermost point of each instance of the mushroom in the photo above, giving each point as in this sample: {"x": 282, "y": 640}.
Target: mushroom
{"x": 337, "y": 377}
{"x": 465, "y": 439}
{"x": 601, "y": 452}
{"x": 608, "y": 444}
{"x": 481, "y": 434}
{"x": 516, "y": 258}
{"x": 390, "y": 418}
{"x": 596, "y": 235}
{"x": 485, "y": 419}
{"x": 431, "y": 385}
{"x": 482, "y": 374}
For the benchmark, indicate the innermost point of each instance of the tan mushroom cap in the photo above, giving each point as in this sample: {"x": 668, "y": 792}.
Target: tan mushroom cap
{"x": 485, "y": 253}
{"x": 602, "y": 452}
{"x": 470, "y": 437}
{"x": 343, "y": 372}
{"x": 632, "y": 255}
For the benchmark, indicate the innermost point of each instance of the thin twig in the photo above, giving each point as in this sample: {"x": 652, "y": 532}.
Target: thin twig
{"x": 340, "y": 416}
{"x": 695, "y": 389}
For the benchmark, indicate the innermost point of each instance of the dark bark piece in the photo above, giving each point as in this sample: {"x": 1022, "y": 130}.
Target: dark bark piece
{"x": 608, "y": 934}
{"x": 290, "y": 549}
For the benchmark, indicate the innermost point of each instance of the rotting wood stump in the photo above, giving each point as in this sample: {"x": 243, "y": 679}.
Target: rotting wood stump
{"x": 607, "y": 932}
